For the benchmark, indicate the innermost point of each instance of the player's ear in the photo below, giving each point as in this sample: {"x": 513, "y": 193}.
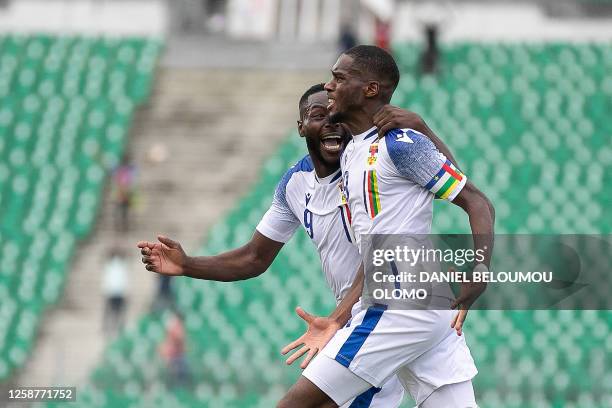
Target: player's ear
{"x": 372, "y": 89}
{"x": 300, "y": 124}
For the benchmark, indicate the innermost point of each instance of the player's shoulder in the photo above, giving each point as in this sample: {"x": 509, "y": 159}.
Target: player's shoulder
{"x": 406, "y": 143}
{"x": 304, "y": 166}
{"x": 412, "y": 154}
{"x": 405, "y": 139}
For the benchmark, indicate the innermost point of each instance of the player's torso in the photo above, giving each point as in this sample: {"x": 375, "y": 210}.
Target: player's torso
{"x": 318, "y": 206}
{"x": 380, "y": 200}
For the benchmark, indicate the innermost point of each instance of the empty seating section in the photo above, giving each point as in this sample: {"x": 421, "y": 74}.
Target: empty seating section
{"x": 528, "y": 124}
{"x": 65, "y": 108}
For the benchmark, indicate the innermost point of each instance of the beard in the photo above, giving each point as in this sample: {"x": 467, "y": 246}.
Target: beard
{"x": 314, "y": 148}
{"x": 351, "y": 109}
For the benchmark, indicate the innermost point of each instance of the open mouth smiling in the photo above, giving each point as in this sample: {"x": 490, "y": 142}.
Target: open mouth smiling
{"x": 331, "y": 143}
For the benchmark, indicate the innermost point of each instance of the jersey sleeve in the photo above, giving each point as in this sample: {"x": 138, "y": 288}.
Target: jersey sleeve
{"x": 417, "y": 159}
{"x": 279, "y": 222}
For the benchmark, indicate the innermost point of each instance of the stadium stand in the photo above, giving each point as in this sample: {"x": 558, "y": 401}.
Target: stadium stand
{"x": 66, "y": 104}
{"x": 526, "y": 123}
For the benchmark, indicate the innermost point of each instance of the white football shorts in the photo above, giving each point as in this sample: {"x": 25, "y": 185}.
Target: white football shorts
{"x": 418, "y": 346}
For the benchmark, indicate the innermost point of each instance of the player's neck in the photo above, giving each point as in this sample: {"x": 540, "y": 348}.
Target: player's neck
{"x": 321, "y": 168}
{"x": 363, "y": 119}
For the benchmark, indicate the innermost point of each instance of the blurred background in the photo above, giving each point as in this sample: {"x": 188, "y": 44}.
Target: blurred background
{"x": 120, "y": 120}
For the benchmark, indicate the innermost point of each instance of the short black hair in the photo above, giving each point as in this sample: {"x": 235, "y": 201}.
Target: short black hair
{"x": 377, "y": 62}
{"x": 310, "y": 91}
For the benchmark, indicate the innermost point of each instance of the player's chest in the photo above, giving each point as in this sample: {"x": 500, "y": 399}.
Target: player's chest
{"x": 363, "y": 176}
{"x": 317, "y": 208}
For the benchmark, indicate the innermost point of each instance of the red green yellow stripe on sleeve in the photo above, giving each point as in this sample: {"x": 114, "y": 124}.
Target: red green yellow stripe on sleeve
{"x": 447, "y": 183}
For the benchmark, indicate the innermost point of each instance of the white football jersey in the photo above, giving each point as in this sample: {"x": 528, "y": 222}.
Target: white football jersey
{"x": 390, "y": 184}
{"x": 301, "y": 198}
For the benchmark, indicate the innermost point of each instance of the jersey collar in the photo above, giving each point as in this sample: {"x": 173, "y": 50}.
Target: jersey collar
{"x": 366, "y": 135}
{"x": 329, "y": 179}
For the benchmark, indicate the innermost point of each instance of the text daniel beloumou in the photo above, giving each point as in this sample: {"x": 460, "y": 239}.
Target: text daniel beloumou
{"x": 459, "y": 257}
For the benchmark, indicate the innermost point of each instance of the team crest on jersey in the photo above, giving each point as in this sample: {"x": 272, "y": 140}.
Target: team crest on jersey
{"x": 373, "y": 154}
{"x": 343, "y": 199}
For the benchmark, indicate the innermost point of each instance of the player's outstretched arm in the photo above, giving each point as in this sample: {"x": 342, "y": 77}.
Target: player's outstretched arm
{"x": 391, "y": 117}
{"x": 481, "y": 214}
{"x": 320, "y": 330}
{"x": 167, "y": 257}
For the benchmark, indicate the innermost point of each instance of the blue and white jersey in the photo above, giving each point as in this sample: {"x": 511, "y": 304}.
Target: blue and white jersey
{"x": 301, "y": 198}
{"x": 390, "y": 184}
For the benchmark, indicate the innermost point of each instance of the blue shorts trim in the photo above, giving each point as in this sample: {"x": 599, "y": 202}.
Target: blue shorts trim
{"x": 360, "y": 333}
{"x": 365, "y": 399}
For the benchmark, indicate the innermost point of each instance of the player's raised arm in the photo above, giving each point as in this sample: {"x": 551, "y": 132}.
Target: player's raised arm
{"x": 167, "y": 257}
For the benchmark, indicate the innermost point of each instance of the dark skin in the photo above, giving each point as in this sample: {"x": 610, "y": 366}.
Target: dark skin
{"x": 315, "y": 127}
{"x": 355, "y": 99}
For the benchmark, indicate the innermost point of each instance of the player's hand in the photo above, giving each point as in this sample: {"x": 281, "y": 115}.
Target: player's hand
{"x": 468, "y": 294}
{"x": 391, "y": 117}
{"x": 165, "y": 257}
{"x": 320, "y": 331}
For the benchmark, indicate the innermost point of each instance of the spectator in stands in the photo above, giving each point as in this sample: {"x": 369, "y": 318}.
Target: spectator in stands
{"x": 114, "y": 288}
{"x": 431, "y": 53}
{"x": 124, "y": 192}
{"x": 172, "y": 351}
{"x": 432, "y": 17}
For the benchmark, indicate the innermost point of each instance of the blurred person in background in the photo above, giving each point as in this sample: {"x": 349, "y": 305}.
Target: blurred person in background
{"x": 164, "y": 297}
{"x": 114, "y": 289}
{"x": 124, "y": 192}
{"x": 347, "y": 39}
{"x": 382, "y": 37}
{"x": 432, "y": 17}
{"x": 172, "y": 351}
{"x": 431, "y": 52}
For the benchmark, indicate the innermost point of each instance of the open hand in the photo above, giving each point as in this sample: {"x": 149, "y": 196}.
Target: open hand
{"x": 320, "y": 330}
